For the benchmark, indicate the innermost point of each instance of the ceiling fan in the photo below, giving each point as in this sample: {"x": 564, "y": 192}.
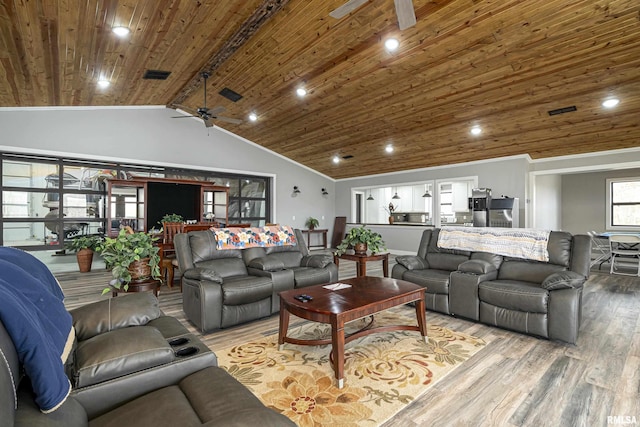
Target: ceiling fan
{"x": 404, "y": 10}
{"x": 206, "y": 114}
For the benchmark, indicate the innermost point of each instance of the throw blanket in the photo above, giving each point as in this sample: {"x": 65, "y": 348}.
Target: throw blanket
{"x": 513, "y": 242}
{"x": 33, "y": 313}
{"x": 255, "y": 237}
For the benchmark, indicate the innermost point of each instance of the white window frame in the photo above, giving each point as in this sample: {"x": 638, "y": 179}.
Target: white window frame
{"x": 609, "y": 206}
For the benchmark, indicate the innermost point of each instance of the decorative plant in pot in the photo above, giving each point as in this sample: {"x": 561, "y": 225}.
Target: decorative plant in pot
{"x": 84, "y": 247}
{"x": 312, "y": 223}
{"x": 132, "y": 257}
{"x": 171, "y": 218}
{"x": 361, "y": 238}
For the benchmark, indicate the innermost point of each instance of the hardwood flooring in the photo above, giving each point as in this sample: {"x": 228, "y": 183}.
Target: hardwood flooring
{"x": 516, "y": 380}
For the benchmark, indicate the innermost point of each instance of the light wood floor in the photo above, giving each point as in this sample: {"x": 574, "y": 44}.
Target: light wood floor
{"x": 516, "y": 380}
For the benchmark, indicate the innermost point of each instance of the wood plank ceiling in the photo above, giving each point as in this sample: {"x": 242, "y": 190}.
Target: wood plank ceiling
{"x": 501, "y": 65}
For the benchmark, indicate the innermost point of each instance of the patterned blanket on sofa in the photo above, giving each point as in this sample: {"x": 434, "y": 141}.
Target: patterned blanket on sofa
{"x": 254, "y": 237}
{"x": 512, "y": 242}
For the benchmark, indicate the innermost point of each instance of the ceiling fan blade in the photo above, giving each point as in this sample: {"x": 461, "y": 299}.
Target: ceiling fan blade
{"x": 215, "y": 110}
{"x": 228, "y": 120}
{"x": 347, "y": 8}
{"x": 183, "y": 117}
{"x": 406, "y": 14}
{"x": 208, "y": 123}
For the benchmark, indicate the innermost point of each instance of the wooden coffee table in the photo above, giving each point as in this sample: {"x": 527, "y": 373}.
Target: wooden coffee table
{"x": 366, "y": 296}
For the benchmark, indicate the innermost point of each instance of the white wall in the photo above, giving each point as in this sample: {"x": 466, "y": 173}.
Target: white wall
{"x": 547, "y": 199}
{"x": 150, "y": 136}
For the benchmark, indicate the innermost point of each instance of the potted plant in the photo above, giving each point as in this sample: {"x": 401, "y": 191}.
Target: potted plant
{"x": 171, "y": 218}
{"x": 361, "y": 238}
{"x": 132, "y": 256}
{"x": 312, "y": 223}
{"x": 84, "y": 246}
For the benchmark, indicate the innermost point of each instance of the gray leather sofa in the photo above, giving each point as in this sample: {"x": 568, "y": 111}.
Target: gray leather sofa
{"x": 222, "y": 288}
{"x": 538, "y": 298}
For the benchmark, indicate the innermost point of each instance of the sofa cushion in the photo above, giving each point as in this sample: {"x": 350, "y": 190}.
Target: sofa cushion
{"x": 237, "y": 290}
{"x": 436, "y": 281}
{"x": 445, "y": 261}
{"x": 514, "y": 295}
{"x": 412, "y": 262}
{"x": 120, "y": 352}
{"x": 226, "y": 267}
{"x": 114, "y": 313}
{"x": 563, "y": 280}
{"x": 527, "y": 271}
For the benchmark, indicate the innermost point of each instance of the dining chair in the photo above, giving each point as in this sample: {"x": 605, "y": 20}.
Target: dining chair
{"x": 600, "y": 251}
{"x": 624, "y": 246}
{"x": 167, "y": 250}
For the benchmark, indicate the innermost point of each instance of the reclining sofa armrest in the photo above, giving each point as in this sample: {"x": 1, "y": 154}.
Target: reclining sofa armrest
{"x": 564, "y": 280}
{"x": 266, "y": 264}
{"x": 199, "y": 273}
{"x": 114, "y": 313}
{"x": 477, "y": 266}
{"x": 412, "y": 262}
{"x": 316, "y": 261}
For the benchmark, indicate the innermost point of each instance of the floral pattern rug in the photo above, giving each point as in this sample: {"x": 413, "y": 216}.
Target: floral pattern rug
{"x": 384, "y": 372}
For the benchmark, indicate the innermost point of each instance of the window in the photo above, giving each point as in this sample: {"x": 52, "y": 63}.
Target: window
{"x": 47, "y": 200}
{"x": 623, "y": 200}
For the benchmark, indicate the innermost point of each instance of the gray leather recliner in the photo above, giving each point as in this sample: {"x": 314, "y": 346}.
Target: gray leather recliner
{"x": 533, "y": 297}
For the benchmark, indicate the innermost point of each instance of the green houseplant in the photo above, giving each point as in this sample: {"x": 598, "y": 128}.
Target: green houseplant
{"x": 171, "y": 218}
{"x": 312, "y": 223}
{"x": 84, "y": 246}
{"x": 361, "y": 238}
{"x": 132, "y": 256}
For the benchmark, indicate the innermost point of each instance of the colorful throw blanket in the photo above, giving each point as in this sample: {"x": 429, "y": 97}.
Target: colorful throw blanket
{"x": 512, "y": 242}
{"x": 33, "y": 313}
{"x": 255, "y": 237}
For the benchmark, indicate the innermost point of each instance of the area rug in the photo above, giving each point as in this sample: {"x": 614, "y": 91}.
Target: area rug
{"x": 384, "y": 372}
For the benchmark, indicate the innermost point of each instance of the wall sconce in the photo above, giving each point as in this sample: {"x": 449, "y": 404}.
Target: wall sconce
{"x": 296, "y": 191}
{"x": 325, "y": 192}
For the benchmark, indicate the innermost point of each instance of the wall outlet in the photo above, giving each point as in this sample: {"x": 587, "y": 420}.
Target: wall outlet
{"x": 294, "y": 218}
{"x": 323, "y": 217}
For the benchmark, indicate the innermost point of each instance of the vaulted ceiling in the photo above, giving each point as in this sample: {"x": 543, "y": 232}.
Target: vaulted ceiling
{"x": 501, "y": 65}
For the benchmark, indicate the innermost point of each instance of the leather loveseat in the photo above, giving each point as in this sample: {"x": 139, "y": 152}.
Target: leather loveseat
{"x": 534, "y": 297}
{"x": 222, "y": 288}
{"x": 119, "y": 362}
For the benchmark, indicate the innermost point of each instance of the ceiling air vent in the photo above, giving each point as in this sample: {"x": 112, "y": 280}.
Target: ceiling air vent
{"x": 156, "y": 75}
{"x": 348, "y": 156}
{"x": 563, "y": 110}
{"x": 230, "y": 95}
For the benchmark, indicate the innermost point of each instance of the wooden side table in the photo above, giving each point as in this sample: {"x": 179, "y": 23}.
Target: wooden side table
{"x": 323, "y": 235}
{"x": 361, "y": 262}
{"x": 147, "y": 285}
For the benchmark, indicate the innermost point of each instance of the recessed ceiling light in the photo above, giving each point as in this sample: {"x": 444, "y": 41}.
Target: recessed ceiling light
{"x": 389, "y": 148}
{"x": 391, "y": 44}
{"x": 121, "y": 31}
{"x": 103, "y": 83}
{"x": 476, "y": 130}
{"x": 611, "y": 102}
{"x": 336, "y": 159}
{"x": 301, "y": 91}
{"x": 253, "y": 117}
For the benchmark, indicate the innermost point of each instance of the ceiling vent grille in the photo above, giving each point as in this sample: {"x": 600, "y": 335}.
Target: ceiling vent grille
{"x": 562, "y": 110}
{"x": 348, "y": 156}
{"x": 230, "y": 95}
{"x": 156, "y": 75}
